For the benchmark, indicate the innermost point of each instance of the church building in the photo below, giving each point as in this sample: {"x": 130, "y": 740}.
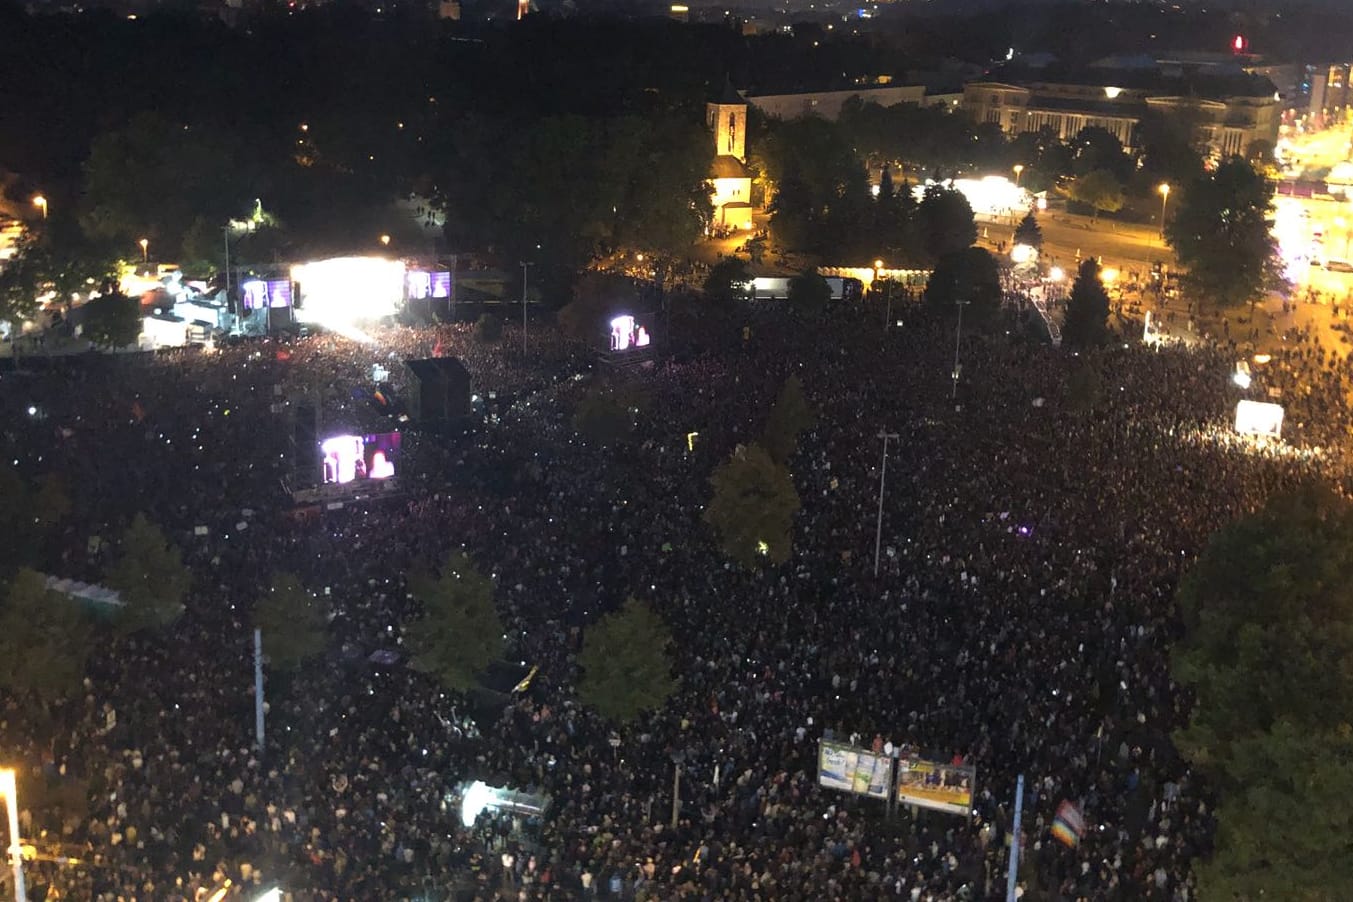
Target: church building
{"x": 730, "y": 182}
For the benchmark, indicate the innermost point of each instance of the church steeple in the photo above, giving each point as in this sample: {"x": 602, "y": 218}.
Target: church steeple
{"x": 726, "y": 117}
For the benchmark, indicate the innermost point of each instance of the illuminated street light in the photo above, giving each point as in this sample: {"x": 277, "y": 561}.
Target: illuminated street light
{"x": 1164, "y": 190}
{"x": 1019, "y": 168}
{"x": 9, "y": 791}
{"x": 41, "y": 203}
{"x": 145, "y": 250}
{"x": 385, "y": 240}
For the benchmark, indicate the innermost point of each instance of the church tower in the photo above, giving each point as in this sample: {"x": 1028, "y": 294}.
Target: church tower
{"x": 726, "y": 117}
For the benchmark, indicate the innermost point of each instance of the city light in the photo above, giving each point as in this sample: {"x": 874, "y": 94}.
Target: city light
{"x": 1019, "y": 169}
{"x": 41, "y": 203}
{"x": 145, "y": 250}
{"x": 1023, "y": 253}
{"x": 1056, "y": 274}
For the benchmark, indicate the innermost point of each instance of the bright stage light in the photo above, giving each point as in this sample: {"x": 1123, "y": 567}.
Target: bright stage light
{"x": 478, "y": 796}
{"x": 1023, "y": 253}
{"x": 1259, "y": 418}
{"x": 345, "y": 290}
{"x": 1241, "y": 378}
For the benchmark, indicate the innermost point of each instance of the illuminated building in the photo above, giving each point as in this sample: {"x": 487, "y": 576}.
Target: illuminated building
{"x": 729, "y": 181}
{"x": 1233, "y": 108}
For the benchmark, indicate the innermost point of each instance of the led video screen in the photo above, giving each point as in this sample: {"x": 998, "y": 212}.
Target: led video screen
{"x": 627, "y": 333}
{"x": 421, "y": 285}
{"x": 347, "y": 458}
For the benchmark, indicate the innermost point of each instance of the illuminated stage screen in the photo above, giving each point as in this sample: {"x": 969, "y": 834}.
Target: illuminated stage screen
{"x": 421, "y": 285}
{"x": 257, "y": 294}
{"x": 627, "y": 333}
{"x": 348, "y": 458}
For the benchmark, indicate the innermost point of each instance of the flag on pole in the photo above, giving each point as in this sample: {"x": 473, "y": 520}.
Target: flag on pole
{"x": 1068, "y": 827}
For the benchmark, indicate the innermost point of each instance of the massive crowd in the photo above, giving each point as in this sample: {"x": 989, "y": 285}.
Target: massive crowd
{"x": 1033, "y": 534}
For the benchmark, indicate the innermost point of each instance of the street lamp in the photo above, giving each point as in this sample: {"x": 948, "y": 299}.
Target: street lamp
{"x": 678, "y": 758}
{"x": 385, "y": 240}
{"x": 41, "y": 203}
{"x": 1019, "y": 168}
{"x": 145, "y": 250}
{"x": 1164, "y": 190}
{"x": 883, "y": 476}
{"x": 9, "y": 790}
{"x": 958, "y": 336}
{"x": 524, "y": 265}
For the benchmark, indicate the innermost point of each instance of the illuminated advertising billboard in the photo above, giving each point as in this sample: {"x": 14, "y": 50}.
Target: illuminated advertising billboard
{"x": 930, "y": 784}
{"x": 347, "y": 458}
{"x": 849, "y": 769}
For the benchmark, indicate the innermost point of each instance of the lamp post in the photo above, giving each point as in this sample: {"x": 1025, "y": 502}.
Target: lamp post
{"x": 678, "y": 758}
{"x": 1164, "y": 190}
{"x": 883, "y": 477}
{"x": 958, "y": 336}
{"x": 1019, "y": 168}
{"x": 145, "y": 250}
{"x": 41, "y": 203}
{"x": 9, "y": 790}
{"x": 524, "y": 265}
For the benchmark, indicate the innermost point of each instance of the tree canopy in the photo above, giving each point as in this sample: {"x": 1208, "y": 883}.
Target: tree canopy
{"x": 753, "y": 507}
{"x": 111, "y": 320}
{"x": 727, "y": 280}
{"x": 970, "y": 276}
{"x": 946, "y": 222}
{"x": 1029, "y": 232}
{"x": 150, "y": 574}
{"x": 626, "y": 662}
{"x": 1220, "y": 233}
{"x": 1268, "y": 634}
{"x": 790, "y": 416}
{"x": 45, "y": 640}
{"x": 460, "y": 632}
{"x": 1087, "y": 310}
{"x": 293, "y": 622}
{"x": 1100, "y": 190}
{"x": 809, "y": 294}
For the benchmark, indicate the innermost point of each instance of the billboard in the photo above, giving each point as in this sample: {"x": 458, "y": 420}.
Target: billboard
{"x": 1259, "y": 418}
{"x": 350, "y": 457}
{"x": 930, "y": 784}
{"x": 844, "y": 767}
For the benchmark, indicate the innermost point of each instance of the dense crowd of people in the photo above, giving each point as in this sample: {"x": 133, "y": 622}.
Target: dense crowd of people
{"x": 1034, "y": 529}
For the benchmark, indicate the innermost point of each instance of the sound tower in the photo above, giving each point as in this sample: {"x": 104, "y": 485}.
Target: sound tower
{"x": 439, "y": 390}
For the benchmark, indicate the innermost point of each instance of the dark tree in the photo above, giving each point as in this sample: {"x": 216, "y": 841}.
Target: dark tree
{"x": 789, "y": 417}
{"x": 150, "y": 574}
{"x": 626, "y": 663}
{"x": 753, "y": 507}
{"x": 727, "y": 281}
{"x": 460, "y": 632}
{"x": 945, "y": 222}
{"x": 1220, "y": 233}
{"x": 809, "y": 294}
{"x": 1268, "y": 634}
{"x": 1087, "y": 310}
{"x": 1029, "y": 232}
{"x": 293, "y": 621}
{"x": 45, "y": 639}
{"x": 111, "y": 320}
{"x": 1100, "y": 190}
{"x": 970, "y": 276}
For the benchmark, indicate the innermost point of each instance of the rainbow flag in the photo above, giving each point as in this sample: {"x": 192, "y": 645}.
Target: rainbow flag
{"x": 1068, "y": 827}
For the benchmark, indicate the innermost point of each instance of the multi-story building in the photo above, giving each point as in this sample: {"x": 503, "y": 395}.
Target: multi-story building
{"x": 1229, "y": 107}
